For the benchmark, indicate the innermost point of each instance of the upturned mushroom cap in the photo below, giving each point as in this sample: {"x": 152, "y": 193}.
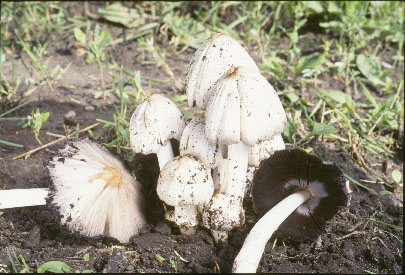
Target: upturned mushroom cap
{"x": 223, "y": 213}
{"x": 193, "y": 142}
{"x": 155, "y": 121}
{"x": 243, "y": 107}
{"x": 288, "y": 171}
{"x": 214, "y": 58}
{"x": 185, "y": 181}
{"x": 264, "y": 149}
{"x": 92, "y": 193}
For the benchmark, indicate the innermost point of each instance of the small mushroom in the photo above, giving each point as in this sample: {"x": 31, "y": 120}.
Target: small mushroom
{"x": 92, "y": 193}
{"x": 296, "y": 193}
{"x": 153, "y": 123}
{"x": 185, "y": 182}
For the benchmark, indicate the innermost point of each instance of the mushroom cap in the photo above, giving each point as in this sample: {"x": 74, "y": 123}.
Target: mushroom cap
{"x": 264, "y": 149}
{"x": 183, "y": 181}
{"x": 153, "y": 123}
{"x": 243, "y": 107}
{"x": 288, "y": 171}
{"x": 193, "y": 142}
{"x": 223, "y": 213}
{"x": 92, "y": 193}
{"x": 214, "y": 58}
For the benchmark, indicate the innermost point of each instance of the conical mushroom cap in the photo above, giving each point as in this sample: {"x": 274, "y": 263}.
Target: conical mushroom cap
{"x": 92, "y": 193}
{"x": 264, "y": 149}
{"x": 183, "y": 181}
{"x": 153, "y": 122}
{"x": 288, "y": 171}
{"x": 243, "y": 107}
{"x": 214, "y": 58}
{"x": 194, "y": 142}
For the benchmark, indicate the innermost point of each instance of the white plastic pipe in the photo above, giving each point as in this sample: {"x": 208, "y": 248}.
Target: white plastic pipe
{"x": 23, "y": 197}
{"x": 252, "y": 250}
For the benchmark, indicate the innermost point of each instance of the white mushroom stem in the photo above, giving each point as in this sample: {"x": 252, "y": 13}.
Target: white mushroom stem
{"x": 186, "y": 218}
{"x": 249, "y": 256}
{"x": 233, "y": 179}
{"x": 23, "y": 197}
{"x": 165, "y": 154}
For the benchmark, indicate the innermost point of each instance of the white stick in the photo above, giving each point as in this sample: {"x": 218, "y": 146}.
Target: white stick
{"x": 22, "y": 197}
{"x": 249, "y": 256}
{"x": 165, "y": 154}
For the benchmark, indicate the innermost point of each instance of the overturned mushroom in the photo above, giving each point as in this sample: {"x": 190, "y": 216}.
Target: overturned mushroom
{"x": 153, "y": 123}
{"x": 92, "y": 193}
{"x": 297, "y": 193}
{"x": 184, "y": 182}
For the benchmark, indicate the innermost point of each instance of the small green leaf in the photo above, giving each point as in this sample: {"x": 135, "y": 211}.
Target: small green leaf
{"x": 396, "y": 176}
{"x": 314, "y": 5}
{"x": 370, "y": 67}
{"x": 86, "y": 257}
{"x": 54, "y": 267}
{"x": 309, "y": 62}
{"x": 80, "y": 35}
{"x": 188, "y": 116}
{"x": 323, "y": 129}
{"x": 159, "y": 258}
{"x": 179, "y": 98}
{"x": 290, "y": 131}
{"x": 88, "y": 271}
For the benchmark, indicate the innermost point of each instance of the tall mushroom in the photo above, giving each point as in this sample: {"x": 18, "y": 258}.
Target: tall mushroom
{"x": 153, "y": 123}
{"x": 212, "y": 59}
{"x": 92, "y": 193}
{"x": 295, "y": 192}
{"x": 243, "y": 110}
{"x": 185, "y": 182}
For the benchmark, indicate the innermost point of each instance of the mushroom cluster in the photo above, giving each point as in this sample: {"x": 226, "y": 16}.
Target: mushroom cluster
{"x": 241, "y": 126}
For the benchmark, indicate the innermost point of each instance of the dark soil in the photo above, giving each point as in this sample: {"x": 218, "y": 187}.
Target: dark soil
{"x": 355, "y": 241}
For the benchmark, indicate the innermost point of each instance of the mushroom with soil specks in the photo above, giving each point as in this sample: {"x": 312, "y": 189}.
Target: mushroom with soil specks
{"x": 243, "y": 110}
{"x": 92, "y": 193}
{"x": 185, "y": 182}
{"x": 212, "y": 59}
{"x": 153, "y": 123}
{"x": 296, "y": 193}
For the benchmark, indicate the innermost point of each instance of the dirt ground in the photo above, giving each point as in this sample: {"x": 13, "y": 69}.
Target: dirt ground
{"x": 354, "y": 241}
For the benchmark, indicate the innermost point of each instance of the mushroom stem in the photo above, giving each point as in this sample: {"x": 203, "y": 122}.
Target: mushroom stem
{"x": 235, "y": 171}
{"x": 165, "y": 154}
{"x": 249, "y": 256}
{"x": 186, "y": 218}
{"x": 23, "y": 197}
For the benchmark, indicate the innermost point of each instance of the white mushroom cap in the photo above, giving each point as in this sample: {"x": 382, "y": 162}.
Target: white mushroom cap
{"x": 193, "y": 142}
{"x": 185, "y": 181}
{"x": 243, "y": 107}
{"x": 264, "y": 149}
{"x": 214, "y": 58}
{"x": 154, "y": 122}
{"x": 223, "y": 213}
{"x": 93, "y": 194}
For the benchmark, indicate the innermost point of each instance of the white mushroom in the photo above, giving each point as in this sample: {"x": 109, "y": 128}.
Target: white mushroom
{"x": 258, "y": 153}
{"x": 93, "y": 194}
{"x": 153, "y": 124}
{"x": 184, "y": 182}
{"x": 222, "y": 214}
{"x": 214, "y": 58}
{"x": 242, "y": 111}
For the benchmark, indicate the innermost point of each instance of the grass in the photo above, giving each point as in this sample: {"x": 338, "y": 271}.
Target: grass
{"x": 344, "y": 86}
